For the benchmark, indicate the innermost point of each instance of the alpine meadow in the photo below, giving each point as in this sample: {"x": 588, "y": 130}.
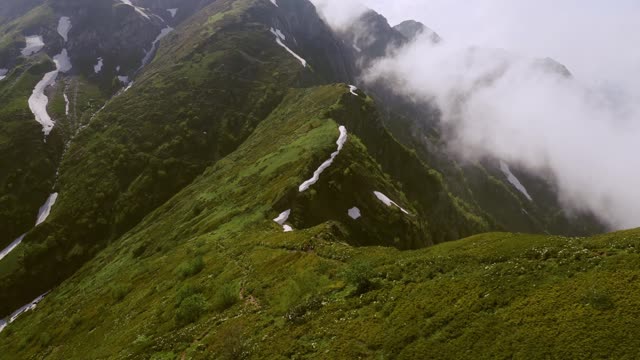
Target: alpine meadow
{"x": 302, "y": 179}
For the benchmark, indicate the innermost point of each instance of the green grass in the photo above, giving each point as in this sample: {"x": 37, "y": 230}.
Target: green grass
{"x": 261, "y": 293}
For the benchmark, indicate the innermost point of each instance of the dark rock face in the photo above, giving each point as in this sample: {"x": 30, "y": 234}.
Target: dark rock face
{"x": 412, "y": 29}
{"x": 108, "y": 29}
{"x": 300, "y": 22}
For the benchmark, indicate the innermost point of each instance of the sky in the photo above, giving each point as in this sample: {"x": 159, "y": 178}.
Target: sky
{"x": 499, "y": 102}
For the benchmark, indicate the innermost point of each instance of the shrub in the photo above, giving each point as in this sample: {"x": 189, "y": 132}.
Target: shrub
{"x": 119, "y": 292}
{"x": 359, "y": 274}
{"x": 598, "y": 299}
{"x": 185, "y": 292}
{"x": 191, "y": 267}
{"x": 191, "y": 309}
{"x": 226, "y": 297}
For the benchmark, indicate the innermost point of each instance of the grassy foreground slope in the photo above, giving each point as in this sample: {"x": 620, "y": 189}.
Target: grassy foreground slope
{"x": 209, "y": 275}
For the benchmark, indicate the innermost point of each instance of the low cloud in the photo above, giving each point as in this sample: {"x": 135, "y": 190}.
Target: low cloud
{"x": 580, "y": 131}
{"x": 528, "y": 112}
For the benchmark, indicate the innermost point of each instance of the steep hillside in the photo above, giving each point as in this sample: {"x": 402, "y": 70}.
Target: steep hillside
{"x": 210, "y": 274}
{"x": 198, "y": 179}
{"x": 515, "y": 200}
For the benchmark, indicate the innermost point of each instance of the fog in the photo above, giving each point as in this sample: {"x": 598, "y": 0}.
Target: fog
{"x": 501, "y": 101}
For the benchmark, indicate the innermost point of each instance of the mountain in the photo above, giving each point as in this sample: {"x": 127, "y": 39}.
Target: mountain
{"x": 211, "y": 185}
{"x": 411, "y": 29}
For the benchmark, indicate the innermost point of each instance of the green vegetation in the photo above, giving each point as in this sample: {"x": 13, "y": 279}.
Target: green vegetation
{"x": 162, "y": 243}
{"x": 262, "y": 293}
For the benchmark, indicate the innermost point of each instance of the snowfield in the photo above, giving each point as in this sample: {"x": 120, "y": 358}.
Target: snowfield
{"x": 316, "y": 175}
{"x": 11, "y": 246}
{"x": 282, "y": 219}
{"x": 3, "y": 73}
{"x": 66, "y": 104}
{"x": 279, "y": 40}
{"x": 148, "y": 56}
{"x": 45, "y": 209}
{"x": 138, "y": 9}
{"x": 353, "y": 89}
{"x": 34, "y": 44}
{"x": 38, "y": 101}
{"x": 98, "y": 67}
{"x": 354, "y": 213}
{"x": 514, "y": 180}
{"x": 64, "y": 25}
{"x": 385, "y": 199}
{"x": 173, "y": 12}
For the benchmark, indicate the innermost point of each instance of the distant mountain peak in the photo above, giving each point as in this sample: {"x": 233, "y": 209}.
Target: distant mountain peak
{"x": 412, "y": 29}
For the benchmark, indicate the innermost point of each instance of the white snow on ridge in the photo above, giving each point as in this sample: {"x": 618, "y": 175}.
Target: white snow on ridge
{"x": 173, "y": 12}
{"x": 34, "y": 44}
{"x": 275, "y": 2}
{"x": 316, "y": 175}
{"x": 356, "y": 48}
{"x": 353, "y": 89}
{"x": 136, "y": 8}
{"x": 514, "y": 180}
{"x": 354, "y": 213}
{"x": 3, "y": 73}
{"x": 45, "y": 210}
{"x": 64, "y": 25}
{"x": 385, "y": 199}
{"x": 154, "y": 45}
{"x": 279, "y": 40}
{"x": 98, "y": 67}
{"x": 11, "y": 246}
{"x": 123, "y": 79}
{"x": 282, "y": 219}
{"x": 30, "y": 306}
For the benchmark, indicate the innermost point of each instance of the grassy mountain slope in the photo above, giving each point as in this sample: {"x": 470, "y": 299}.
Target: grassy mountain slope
{"x": 210, "y": 275}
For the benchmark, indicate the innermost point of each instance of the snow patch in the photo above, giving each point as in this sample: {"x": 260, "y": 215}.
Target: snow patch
{"x": 34, "y": 44}
{"x": 275, "y": 2}
{"x": 514, "y": 180}
{"x": 282, "y": 219}
{"x": 385, "y": 199}
{"x": 11, "y": 246}
{"x": 98, "y": 67}
{"x": 354, "y": 213}
{"x": 154, "y": 45}
{"x": 128, "y": 86}
{"x": 64, "y": 25}
{"x": 123, "y": 79}
{"x": 279, "y": 40}
{"x": 173, "y": 12}
{"x": 356, "y": 48}
{"x": 45, "y": 209}
{"x": 353, "y": 89}
{"x": 66, "y": 104}
{"x": 38, "y": 100}
{"x": 136, "y": 8}
{"x": 62, "y": 61}
{"x": 29, "y": 307}
{"x": 3, "y": 73}
{"x": 342, "y": 139}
